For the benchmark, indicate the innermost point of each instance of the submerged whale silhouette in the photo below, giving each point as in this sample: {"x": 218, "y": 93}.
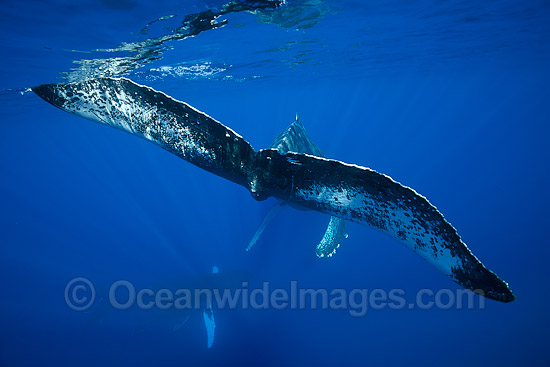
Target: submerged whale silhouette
{"x": 342, "y": 190}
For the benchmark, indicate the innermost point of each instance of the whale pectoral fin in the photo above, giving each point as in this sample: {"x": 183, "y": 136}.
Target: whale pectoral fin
{"x": 336, "y": 231}
{"x": 365, "y": 196}
{"x": 210, "y": 325}
{"x": 208, "y": 317}
{"x": 275, "y": 209}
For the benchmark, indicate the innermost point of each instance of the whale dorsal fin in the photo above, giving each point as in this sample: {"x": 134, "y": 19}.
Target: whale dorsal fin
{"x": 295, "y": 139}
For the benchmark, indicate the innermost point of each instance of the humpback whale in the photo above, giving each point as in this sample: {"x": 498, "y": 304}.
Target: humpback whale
{"x": 342, "y": 190}
{"x": 295, "y": 139}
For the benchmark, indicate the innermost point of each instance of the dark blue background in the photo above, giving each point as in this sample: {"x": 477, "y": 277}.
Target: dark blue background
{"x": 461, "y": 117}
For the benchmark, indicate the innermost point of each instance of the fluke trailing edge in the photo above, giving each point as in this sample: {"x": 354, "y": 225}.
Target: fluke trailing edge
{"x": 341, "y": 190}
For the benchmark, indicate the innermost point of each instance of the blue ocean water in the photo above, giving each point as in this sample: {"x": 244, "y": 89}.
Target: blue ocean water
{"x": 449, "y": 98}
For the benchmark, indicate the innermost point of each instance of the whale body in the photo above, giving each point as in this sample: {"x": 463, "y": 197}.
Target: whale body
{"x": 295, "y": 139}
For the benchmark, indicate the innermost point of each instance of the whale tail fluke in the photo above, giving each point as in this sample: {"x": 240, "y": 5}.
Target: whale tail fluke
{"x": 346, "y": 191}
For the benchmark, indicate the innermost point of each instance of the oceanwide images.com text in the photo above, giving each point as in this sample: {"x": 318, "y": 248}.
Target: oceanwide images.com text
{"x": 80, "y": 295}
